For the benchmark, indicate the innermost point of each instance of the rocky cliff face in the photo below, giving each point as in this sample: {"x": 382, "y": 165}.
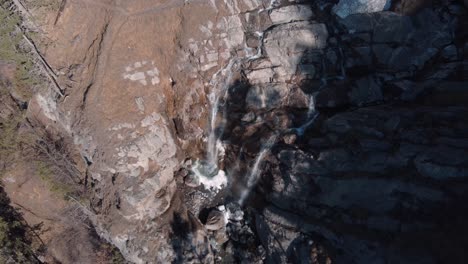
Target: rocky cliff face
{"x": 277, "y": 131}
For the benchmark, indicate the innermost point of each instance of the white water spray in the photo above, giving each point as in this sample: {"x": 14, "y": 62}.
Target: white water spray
{"x": 254, "y": 173}
{"x": 210, "y": 176}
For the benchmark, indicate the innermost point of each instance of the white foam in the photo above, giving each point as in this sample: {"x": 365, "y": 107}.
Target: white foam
{"x": 215, "y": 182}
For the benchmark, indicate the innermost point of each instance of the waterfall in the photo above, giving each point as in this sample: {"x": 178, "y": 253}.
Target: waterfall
{"x": 311, "y": 109}
{"x": 254, "y": 173}
{"x": 207, "y": 171}
{"x": 312, "y": 114}
{"x": 216, "y": 98}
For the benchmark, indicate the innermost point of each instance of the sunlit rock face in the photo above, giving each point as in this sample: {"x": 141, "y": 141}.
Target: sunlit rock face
{"x": 345, "y": 8}
{"x": 277, "y": 131}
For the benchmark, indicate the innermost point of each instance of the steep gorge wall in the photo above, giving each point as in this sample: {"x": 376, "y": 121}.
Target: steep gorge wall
{"x": 368, "y": 109}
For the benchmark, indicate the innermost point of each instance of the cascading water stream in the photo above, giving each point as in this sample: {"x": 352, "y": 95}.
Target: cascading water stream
{"x": 207, "y": 171}
{"x": 254, "y": 173}
{"x": 312, "y": 112}
{"x": 216, "y": 98}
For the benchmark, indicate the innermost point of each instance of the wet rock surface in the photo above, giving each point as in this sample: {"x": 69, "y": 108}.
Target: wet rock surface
{"x": 341, "y": 128}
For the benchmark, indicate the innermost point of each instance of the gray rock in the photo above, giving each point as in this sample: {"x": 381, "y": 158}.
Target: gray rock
{"x": 392, "y": 123}
{"x": 450, "y": 52}
{"x": 291, "y": 13}
{"x": 376, "y": 195}
{"x": 369, "y": 131}
{"x": 440, "y": 172}
{"x": 465, "y": 51}
{"x": 301, "y": 163}
{"x": 332, "y": 96}
{"x": 347, "y": 7}
{"x": 443, "y": 163}
{"x": 359, "y": 56}
{"x": 372, "y": 144}
{"x": 357, "y": 39}
{"x": 453, "y": 142}
{"x": 318, "y": 143}
{"x": 215, "y": 220}
{"x": 380, "y": 162}
{"x": 307, "y": 71}
{"x": 338, "y": 124}
{"x": 384, "y": 223}
{"x": 249, "y": 117}
{"x": 338, "y": 160}
{"x": 286, "y": 44}
{"x": 358, "y": 23}
{"x": 268, "y": 96}
{"x": 391, "y": 27}
{"x": 402, "y": 58}
{"x": 258, "y": 76}
{"x": 366, "y": 90}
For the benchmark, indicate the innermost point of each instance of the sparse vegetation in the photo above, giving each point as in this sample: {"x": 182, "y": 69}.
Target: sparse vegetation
{"x": 15, "y": 237}
{"x": 12, "y": 51}
{"x": 20, "y": 82}
{"x": 46, "y": 174}
{"x": 48, "y": 5}
{"x": 8, "y": 139}
{"x": 117, "y": 257}
{"x": 21, "y": 139}
{"x": 17, "y": 140}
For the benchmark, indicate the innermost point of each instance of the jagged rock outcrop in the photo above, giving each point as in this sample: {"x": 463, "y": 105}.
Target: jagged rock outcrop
{"x": 347, "y": 129}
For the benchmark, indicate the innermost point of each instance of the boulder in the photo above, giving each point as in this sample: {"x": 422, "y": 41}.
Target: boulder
{"x": 291, "y": 13}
